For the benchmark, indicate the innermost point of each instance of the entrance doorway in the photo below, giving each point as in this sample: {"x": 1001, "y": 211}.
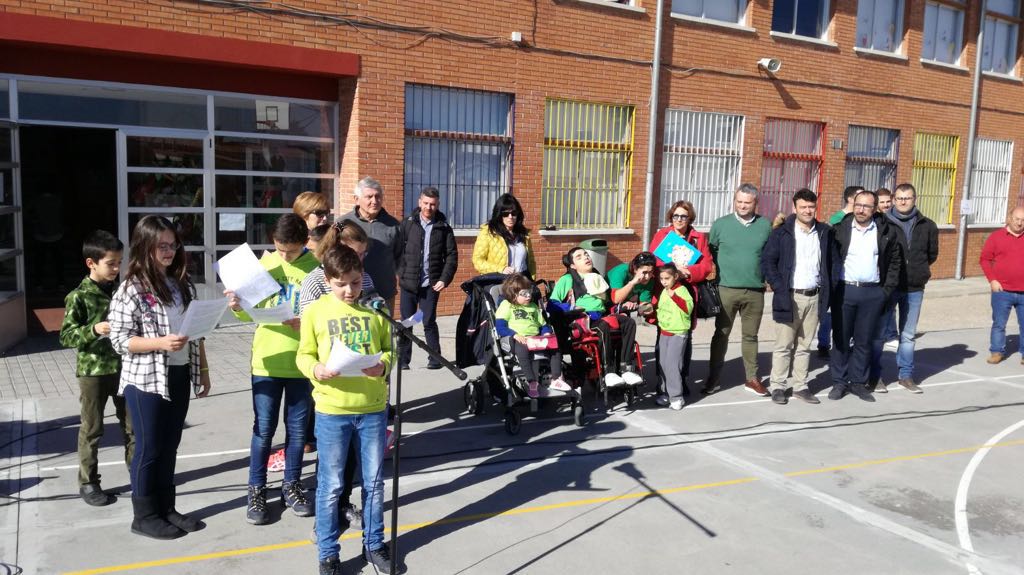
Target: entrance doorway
{"x": 69, "y": 189}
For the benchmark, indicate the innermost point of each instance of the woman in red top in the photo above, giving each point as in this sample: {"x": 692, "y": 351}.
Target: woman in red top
{"x": 681, "y": 217}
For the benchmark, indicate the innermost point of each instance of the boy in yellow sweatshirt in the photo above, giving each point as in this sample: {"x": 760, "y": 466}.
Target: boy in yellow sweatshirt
{"x": 274, "y": 375}
{"x": 347, "y": 406}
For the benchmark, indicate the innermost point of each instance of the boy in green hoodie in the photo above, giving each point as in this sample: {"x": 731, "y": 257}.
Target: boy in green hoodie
{"x": 275, "y": 376}
{"x": 349, "y": 407}
{"x": 85, "y": 328}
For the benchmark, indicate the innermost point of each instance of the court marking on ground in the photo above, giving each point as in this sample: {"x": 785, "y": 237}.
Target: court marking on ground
{"x": 971, "y": 379}
{"x": 564, "y": 505}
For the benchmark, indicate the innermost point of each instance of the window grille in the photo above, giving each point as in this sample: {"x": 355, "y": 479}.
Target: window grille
{"x": 990, "y": 181}
{"x": 934, "y": 175}
{"x": 792, "y": 160}
{"x": 872, "y": 155}
{"x": 703, "y": 153}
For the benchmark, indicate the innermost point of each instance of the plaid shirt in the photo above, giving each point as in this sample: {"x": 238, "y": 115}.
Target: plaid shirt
{"x": 137, "y": 312}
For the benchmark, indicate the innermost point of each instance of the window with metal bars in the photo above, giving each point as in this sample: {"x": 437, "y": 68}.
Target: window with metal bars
{"x": 792, "y": 160}
{"x": 880, "y": 25}
{"x": 703, "y": 152}
{"x": 1002, "y": 21}
{"x": 990, "y": 181}
{"x": 934, "y": 175}
{"x": 588, "y": 163}
{"x": 872, "y": 155}
{"x": 460, "y": 142}
{"x": 942, "y": 35}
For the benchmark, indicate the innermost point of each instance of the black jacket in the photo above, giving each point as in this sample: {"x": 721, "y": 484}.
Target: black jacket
{"x": 890, "y": 254}
{"x": 444, "y": 255}
{"x": 920, "y": 254}
{"x": 778, "y": 260}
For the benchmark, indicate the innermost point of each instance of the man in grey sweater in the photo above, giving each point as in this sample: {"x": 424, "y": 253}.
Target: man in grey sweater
{"x": 384, "y": 231}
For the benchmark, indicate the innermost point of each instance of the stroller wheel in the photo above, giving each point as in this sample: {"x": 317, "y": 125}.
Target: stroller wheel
{"x": 577, "y": 415}
{"x": 467, "y": 395}
{"x": 513, "y": 422}
{"x": 477, "y": 406}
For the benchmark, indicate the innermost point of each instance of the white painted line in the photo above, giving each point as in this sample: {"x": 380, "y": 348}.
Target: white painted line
{"x": 963, "y": 531}
{"x": 627, "y": 417}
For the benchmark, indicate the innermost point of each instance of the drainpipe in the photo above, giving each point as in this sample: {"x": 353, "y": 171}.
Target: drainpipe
{"x": 961, "y": 242}
{"x": 652, "y": 131}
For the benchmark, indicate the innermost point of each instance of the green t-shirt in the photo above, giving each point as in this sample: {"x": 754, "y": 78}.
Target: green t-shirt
{"x": 671, "y": 317}
{"x": 837, "y": 217}
{"x": 618, "y": 277}
{"x": 737, "y": 250}
{"x": 586, "y": 302}
{"x": 274, "y": 345}
{"x": 525, "y": 320}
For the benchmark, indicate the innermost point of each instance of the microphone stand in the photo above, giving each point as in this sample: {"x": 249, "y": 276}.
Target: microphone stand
{"x": 399, "y": 330}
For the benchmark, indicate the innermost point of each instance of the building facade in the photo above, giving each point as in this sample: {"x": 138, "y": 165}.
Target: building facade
{"x": 218, "y": 113}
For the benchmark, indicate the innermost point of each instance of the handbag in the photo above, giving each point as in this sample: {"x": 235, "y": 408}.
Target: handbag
{"x": 709, "y": 302}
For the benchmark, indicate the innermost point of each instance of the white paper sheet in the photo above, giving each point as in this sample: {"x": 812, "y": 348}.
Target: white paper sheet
{"x": 242, "y": 273}
{"x": 344, "y": 361}
{"x": 276, "y": 314}
{"x": 413, "y": 319}
{"x": 202, "y": 317}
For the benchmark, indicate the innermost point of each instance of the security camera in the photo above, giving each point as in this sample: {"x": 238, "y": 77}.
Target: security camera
{"x": 770, "y": 65}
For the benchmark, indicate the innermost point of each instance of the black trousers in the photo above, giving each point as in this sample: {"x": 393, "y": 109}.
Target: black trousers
{"x": 614, "y": 356}
{"x": 856, "y": 312}
{"x": 157, "y": 424}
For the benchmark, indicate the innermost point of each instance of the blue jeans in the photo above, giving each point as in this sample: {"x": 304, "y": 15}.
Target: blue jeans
{"x": 334, "y": 434}
{"x": 1002, "y": 302}
{"x": 908, "y": 306}
{"x": 266, "y": 408}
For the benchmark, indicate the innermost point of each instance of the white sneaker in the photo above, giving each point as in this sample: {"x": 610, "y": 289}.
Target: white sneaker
{"x": 662, "y": 400}
{"x": 560, "y": 385}
{"x": 676, "y": 404}
{"x": 613, "y": 380}
{"x": 632, "y": 378}
{"x": 892, "y": 345}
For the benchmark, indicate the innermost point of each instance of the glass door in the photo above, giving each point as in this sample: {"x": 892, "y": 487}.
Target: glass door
{"x": 165, "y": 173}
{"x": 12, "y": 265}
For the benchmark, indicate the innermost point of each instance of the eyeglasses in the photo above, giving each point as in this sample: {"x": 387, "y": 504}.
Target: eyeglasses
{"x": 321, "y": 213}
{"x": 168, "y": 247}
{"x": 524, "y": 293}
{"x": 509, "y": 214}
{"x": 904, "y": 199}
{"x": 680, "y": 217}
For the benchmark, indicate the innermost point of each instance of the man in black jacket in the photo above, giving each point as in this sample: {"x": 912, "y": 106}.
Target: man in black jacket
{"x": 427, "y": 266}
{"x": 919, "y": 240}
{"x": 869, "y": 262}
{"x": 797, "y": 262}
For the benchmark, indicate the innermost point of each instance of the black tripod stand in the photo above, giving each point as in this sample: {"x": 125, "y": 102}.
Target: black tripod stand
{"x": 399, "y": 332}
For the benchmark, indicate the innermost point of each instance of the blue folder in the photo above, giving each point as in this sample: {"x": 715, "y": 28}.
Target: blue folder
{"x": 671, "y": 241}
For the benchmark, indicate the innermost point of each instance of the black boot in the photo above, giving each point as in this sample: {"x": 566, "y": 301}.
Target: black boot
{"x": 179, "y": 520}
{"x": 148, "y": 521}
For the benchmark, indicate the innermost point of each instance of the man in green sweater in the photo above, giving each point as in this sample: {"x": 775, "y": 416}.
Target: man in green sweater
{"x": 736, "y": 241}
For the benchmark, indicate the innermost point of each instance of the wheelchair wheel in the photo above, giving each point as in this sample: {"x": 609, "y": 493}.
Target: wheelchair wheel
{"x": 577, "y": 414}
{"x": 513, "y": 422}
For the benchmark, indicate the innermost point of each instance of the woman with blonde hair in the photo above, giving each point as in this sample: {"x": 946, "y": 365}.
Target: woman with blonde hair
{"x": 312, "y": 207}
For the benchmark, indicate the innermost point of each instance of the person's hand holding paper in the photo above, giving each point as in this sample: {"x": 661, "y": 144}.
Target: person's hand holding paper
{"x": 242, "y": 274}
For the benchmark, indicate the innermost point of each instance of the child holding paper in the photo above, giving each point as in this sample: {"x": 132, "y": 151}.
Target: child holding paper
{"x": 348, "y": 408}
{"x": 157, "y": 367}
{"x": 275, "y": 376}
{"x": 519, "y": 317}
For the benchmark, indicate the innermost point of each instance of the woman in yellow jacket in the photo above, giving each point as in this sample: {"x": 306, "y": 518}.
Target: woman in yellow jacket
{"x": 503, "y": 245}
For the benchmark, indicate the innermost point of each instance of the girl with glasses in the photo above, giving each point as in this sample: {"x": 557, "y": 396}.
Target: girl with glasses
{"x": 519, "y": 317}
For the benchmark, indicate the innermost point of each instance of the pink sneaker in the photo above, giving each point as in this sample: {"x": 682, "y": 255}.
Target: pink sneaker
{"x": 534, "y": 389}
{"x": 276, "y": 462}
{"x": 560, "y": 385}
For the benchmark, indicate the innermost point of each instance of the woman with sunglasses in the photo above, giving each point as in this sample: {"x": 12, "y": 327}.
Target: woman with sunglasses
{"x": 503, "y": 245}
{"x": 312, "y": 208}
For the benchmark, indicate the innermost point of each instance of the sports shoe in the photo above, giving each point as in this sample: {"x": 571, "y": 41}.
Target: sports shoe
{"x": 862, "y": 392}
{"x": 909, "y": 385}
{"x": 806, "y": 395}
{"x": 613, "y": 380}
{"x": 560, "y": 384}
{"x": 676, "y": 404}
{"x": 389, "y": 439}
{"x": 256, "y": 511}
{"x": 837, "y": 392}
{"x": 379, "y": 559}
{"x": 892, "y": 345}
{"x": 293, "y": 496}
{"x": 533, "y": 389}
{"x": 330, "y": 566}
{"x": 710, "y": 389}
{"x": 877, "y": 386}
{"x": 275, "y": 463}
{"x": 662, "y": 400}
{"x": 995, "y": 358}
{"x": 632, "y": 378}
{"x": 754, "y": 386}
{"x": 779, "y": 396}
{"x": 93, "y": 495}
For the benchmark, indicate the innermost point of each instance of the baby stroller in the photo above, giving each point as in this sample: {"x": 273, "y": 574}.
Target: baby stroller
{"x": 582, "y": 344}
{"x": 477, "y": 343}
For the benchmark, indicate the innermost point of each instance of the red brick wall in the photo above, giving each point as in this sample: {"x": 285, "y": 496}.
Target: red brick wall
{"x": 706, "y": 68}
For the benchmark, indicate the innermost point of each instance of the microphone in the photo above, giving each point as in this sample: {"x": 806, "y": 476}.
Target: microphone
{"x": 376, "y": 303}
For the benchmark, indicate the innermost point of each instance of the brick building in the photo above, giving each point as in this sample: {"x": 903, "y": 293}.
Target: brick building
{"x": 218, "y": 112}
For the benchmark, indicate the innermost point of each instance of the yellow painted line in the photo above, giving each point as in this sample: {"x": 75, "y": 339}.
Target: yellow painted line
{"x": 536, "y": 509}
